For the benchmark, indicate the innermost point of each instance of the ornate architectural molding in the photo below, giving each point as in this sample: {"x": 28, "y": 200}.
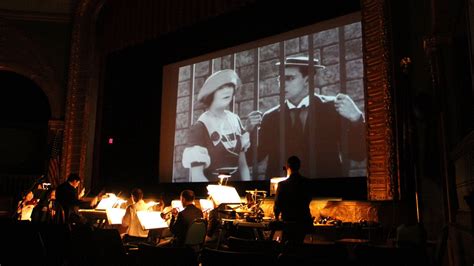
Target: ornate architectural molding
{"x": 382, "y": 180}
{"x": 35, "y": 16}
{"x": 85, "y": 65}
{"x": 85, "y": 59}
{"x": 82, "y": 80}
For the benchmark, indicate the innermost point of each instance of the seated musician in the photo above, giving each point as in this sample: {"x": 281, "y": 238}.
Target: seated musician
{"x": 213, "y": 222}
{"x": 180, "y": 221}
{"x": 48, "y": 210}
{"x": 134, "y": 229}
{"x": 25, "y": 206}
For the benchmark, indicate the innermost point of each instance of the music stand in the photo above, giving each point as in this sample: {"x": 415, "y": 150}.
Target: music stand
{"x": 206, "y": 205}
{"x": 151, "y": 220}
{"x": 177, "y": 204}
{"x": 114, "y": 215}
{"x": 223, "y": 194}
{"x": 110, "y": 200}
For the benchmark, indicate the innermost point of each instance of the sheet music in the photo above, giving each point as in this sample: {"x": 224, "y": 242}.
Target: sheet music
{"x": 177, "y": 204}
{"x": 114, "y": 215}
{"x": 109, "y": 201}
{"x": 151, "y": 220}
{"x": 206, "y": 205}
{"x": 223, "y": 194}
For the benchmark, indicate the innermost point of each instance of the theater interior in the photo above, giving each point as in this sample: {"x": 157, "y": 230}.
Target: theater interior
{"x": 107, "y": 90}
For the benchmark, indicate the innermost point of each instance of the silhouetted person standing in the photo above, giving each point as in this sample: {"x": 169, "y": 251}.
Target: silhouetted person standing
{"x": 292, "y": 202}
{"x": 69, "y": 199}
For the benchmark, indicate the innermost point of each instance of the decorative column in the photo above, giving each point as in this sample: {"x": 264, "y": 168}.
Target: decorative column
{"x": 382, "y": 174}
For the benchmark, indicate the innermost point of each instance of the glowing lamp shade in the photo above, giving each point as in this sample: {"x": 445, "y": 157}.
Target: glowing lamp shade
{"x": 274, "y": 184}
{"x": 223, "y": 178}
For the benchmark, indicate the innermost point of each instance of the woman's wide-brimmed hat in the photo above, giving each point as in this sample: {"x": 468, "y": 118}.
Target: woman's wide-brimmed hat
{"x": 216, "y": 80}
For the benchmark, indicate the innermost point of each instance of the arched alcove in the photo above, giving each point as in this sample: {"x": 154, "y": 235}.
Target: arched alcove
{"x": 24, "y": 112}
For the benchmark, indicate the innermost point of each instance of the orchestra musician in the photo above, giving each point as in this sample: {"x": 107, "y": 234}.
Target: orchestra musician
{"x": 48, "y": 210}
{"x": 25, "y": 206}
{"x": 180, "y": 221}
{"x": 134, "y": 229}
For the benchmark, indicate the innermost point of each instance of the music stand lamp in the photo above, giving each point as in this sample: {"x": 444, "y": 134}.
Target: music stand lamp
{"x": 224, "y": 173}
{"x": 223, "y": 178}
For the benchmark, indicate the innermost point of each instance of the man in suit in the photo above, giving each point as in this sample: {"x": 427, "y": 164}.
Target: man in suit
{"x": 292, "y": 201}
{"x": 314, "y": 127}
{"x": 181, "y": 221}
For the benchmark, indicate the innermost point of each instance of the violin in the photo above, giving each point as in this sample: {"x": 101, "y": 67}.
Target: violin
{"x": 31, "y": 202}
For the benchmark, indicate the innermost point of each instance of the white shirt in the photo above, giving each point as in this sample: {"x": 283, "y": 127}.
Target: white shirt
{"x": 303, "y": 114}
{"x": 131, "y": 220}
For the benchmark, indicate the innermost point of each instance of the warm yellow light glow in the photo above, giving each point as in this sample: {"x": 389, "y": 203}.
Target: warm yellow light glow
{"x": 114, "y": 215}
{"x": 26, "y": 212}
{"x": 152, "y": 203}
{"x": 274, "y": 183}
{"x": 277, "y": 180}
{"x": 120, "y": 201}
{"x": 177, "y": 204}
{"x": 223, "y": 179}
{"x": 109, "y": 200}
{"x": 206, "y": 205}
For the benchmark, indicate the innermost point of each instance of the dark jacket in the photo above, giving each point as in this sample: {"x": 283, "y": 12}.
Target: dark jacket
{"x": 292, "y": 200}
{"x": 67, "y": 197}
{"x": 49, "y": 212}
{"x": 326, "y": 141}
{"x": 179, "y": 226}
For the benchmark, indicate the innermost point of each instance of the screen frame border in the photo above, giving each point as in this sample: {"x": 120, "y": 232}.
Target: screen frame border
{"x": 382, "y": 173}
